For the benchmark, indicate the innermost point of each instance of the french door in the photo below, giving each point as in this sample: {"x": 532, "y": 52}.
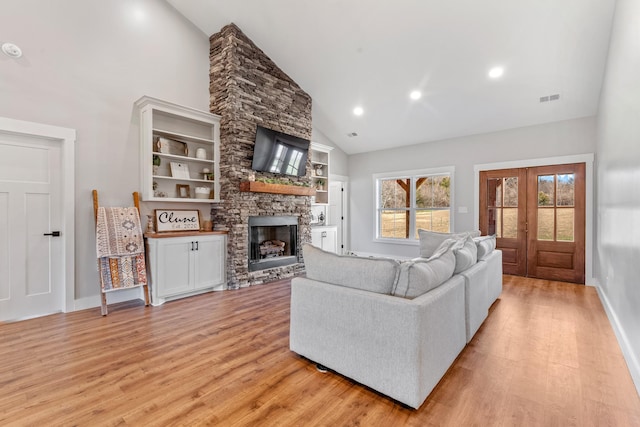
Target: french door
{"x": 538, "y": 217}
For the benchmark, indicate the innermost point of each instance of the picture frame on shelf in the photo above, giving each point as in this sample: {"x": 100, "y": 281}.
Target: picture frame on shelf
{"x": 180, "y": 170}
{"x": 183, "y": 191}
{"x": 167, "y": 220}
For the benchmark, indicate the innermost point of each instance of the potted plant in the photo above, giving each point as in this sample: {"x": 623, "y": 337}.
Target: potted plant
{"x": 320, "y": 184}
{"x": 156, "y": 164}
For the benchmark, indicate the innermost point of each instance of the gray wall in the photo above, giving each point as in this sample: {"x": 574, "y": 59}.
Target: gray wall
{"x": 85, "y": 63}
{"x": 618, "y": 183}
{"x": 551, "y": 140}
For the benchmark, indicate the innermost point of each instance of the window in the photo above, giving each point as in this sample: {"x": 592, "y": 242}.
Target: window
{"x": 420, "y": 200}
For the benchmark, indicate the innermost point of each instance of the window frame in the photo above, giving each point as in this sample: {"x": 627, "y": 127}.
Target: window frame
{"x": 413, "y": 175}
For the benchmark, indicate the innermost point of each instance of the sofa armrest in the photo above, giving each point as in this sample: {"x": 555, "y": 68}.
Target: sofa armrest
{"x": 397, "y": 346}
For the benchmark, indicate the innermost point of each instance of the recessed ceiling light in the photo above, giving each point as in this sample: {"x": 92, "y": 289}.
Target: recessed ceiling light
{"x": 358, "y": 111}
{"x": 496, "y": 72}
{"x": 11, "y": 50}
{"x": 416, "y": 94}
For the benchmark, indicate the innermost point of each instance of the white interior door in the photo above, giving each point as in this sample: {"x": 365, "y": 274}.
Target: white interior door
{"x": 31, "y": 262}
{"x": 338, "y": 212}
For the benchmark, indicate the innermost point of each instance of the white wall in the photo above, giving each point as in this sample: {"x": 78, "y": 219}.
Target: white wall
{"x": 551, "y": 140}
{"x": 618, "y": 183}
{"x": 85, "y": 63}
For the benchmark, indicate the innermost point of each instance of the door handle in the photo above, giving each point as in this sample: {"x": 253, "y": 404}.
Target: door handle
{"x": 52, "y": 234}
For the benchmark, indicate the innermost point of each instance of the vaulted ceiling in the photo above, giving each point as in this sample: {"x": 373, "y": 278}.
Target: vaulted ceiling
{"x": 372, "y": 54}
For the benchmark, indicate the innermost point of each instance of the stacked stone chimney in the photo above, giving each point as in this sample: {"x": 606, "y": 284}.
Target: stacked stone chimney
{"x": 248, "y": 89}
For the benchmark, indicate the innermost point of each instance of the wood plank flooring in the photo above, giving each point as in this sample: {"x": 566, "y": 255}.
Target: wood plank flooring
{"x": 545, "y": 356}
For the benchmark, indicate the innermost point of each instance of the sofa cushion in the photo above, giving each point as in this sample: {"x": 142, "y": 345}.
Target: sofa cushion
{"x": 422, "y": 275}
{"x": 431, "y": 240}
{"x": 485, "y": 245}
{"x": 369, "y": 274}
{"x": 466, "y": 253}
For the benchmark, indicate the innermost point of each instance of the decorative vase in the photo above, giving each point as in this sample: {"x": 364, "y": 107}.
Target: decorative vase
{"x": 150, "y": 227}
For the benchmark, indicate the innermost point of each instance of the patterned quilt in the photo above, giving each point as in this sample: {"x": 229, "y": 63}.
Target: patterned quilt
{"x": 120, "y": 248}
{"x": 118, "y": 232}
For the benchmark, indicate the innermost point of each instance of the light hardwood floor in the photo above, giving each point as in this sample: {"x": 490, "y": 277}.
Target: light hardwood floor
{"x": 545, "y": 356}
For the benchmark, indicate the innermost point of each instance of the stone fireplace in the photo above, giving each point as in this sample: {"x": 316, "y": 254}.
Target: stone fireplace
{"x": 248, "y": 89}
{"x": 273, "y": 241}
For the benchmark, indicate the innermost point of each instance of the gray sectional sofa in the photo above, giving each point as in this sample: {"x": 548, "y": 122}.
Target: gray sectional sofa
{"x": 395, "y": 326}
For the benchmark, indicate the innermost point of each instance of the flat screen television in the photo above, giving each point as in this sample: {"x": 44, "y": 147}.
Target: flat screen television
{"x": 279, "y": 153}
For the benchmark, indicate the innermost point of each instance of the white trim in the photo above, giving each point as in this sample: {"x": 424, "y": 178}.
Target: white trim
{"x": 320, "y": 147}
{"x": 67, "y": 138}
{"x": 411, "y": 174}
{"x": 587, "y": 159}
{"x": 633, "y": 363}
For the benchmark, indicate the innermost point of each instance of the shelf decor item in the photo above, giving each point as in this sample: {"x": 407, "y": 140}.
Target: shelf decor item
{"x": 180, "y": 170}
{"x": 201, "y": 153}
{"x": 156, "y": 164}
{"x": 177, "y": 220}
{"x": 202, "y": 192}
{"x": 171, "y": 146}
{"x": 319, "y": 170}
{"x": 184, "y": 191}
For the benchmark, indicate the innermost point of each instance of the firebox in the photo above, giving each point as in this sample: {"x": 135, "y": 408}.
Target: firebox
{"x": 273, "y": 241}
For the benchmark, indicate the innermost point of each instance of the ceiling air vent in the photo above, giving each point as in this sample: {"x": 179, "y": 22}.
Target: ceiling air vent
{"x": 549, "y": 98}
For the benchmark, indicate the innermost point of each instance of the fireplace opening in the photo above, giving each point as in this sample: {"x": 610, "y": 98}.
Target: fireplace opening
{"x": 272, "y": 241}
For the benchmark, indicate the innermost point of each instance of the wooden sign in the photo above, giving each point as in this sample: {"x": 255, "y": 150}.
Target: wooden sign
{"x": 177, "y": 220}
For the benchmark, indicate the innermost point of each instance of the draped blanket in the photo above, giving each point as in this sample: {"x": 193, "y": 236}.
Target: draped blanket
{"x": 120, "y": 248}
{"x": 118, "y": 232}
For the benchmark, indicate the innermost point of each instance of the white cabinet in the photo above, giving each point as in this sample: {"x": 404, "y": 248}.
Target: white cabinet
{"x": 325, "y": 238}
{"x": 320, "y": 171}
{"x": 179, "y": 153}
{"x": 186, "y": 265}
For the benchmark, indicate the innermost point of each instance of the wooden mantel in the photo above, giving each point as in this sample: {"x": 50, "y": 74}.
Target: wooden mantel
{"x": 263, "y": 187}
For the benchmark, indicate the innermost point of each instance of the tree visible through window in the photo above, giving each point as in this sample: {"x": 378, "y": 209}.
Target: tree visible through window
{"x": 406, "y": 204}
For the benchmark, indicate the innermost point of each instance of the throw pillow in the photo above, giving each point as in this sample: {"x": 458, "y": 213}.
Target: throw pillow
{"x": 431, "y": 240}
{"x": 420, "y": 276}
{"x": 466, "y": 253}
{"x": 485, "y": 245}
{"x": 369, "y": 274}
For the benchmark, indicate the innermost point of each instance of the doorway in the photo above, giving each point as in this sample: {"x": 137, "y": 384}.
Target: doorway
{"x": 337, "y": 215}
{"x": 538, "y": 217}
{"x": 36, "y": 219}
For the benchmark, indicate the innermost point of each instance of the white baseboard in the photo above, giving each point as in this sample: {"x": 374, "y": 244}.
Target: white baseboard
{"x": 630, "y": 357}
{"x": 112, "y": 298}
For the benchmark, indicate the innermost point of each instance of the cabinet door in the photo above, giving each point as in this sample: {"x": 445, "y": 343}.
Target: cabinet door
{"x": 324, "y": 238}
{"x": 209, "y": 262}
{"x": 173, "y": 267}
{"x": 316, "y": 238}
{"x": 329, "y": 241}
